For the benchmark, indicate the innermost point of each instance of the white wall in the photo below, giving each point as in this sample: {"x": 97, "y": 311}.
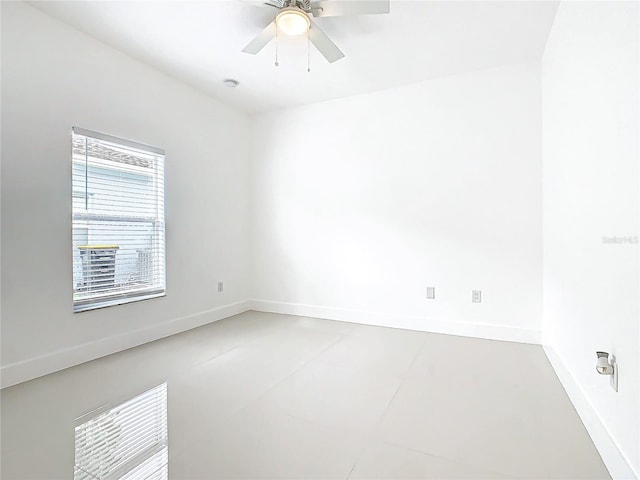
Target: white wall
{"x": 590, "y": 165}
{"x": 55, "y": 78}
{"x": 361, "y": 203}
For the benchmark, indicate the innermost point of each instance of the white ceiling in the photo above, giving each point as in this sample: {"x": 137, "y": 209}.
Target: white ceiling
{"x": 200, "y": 42}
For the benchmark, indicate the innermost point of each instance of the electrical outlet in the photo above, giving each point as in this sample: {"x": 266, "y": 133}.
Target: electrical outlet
{"x": 476, "y": 296}
{"x": 431, "y": 293}
{"x": 220, "y": 287}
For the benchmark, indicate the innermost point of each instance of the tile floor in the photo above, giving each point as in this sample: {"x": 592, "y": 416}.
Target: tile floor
{"x": 275, "y": 396}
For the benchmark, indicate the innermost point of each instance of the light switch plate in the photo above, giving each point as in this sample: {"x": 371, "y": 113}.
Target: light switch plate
{"x": 476, "y": 296}
{"x": 431, "y": 293}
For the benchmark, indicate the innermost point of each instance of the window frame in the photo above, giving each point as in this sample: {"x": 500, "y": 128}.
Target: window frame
{"x": 158, "y": 224}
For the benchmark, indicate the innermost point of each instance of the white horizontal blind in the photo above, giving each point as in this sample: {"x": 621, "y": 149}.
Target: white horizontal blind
{"x": 128, "y": 442}
{"x": 118, "y": 221}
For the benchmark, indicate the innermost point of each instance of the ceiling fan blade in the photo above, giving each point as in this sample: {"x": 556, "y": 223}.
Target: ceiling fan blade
{"x": 324, "y": 44}
{"x": 264, "y": 37}
{"x": 260, "y": 3}
{"x": 340, "y": 8}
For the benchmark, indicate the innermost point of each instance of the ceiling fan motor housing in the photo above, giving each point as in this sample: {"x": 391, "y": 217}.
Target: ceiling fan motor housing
{"x": 302, "y": 4}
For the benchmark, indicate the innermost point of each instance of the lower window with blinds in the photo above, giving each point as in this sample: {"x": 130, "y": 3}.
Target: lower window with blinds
{"x": 118, "y": 221}
{"x": 126, "y": 442}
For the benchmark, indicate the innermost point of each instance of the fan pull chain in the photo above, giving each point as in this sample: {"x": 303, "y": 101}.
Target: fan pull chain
{"x": 308, "y": 52}
{"x": 277, "y": 45}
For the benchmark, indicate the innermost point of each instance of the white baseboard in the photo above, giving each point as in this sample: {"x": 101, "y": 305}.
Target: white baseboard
{"x": 25, "y": 370}
{"x": 614, "y": 460}
{"x": 491, "y": 332}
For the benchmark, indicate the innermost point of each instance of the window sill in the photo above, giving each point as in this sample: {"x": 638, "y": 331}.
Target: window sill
{"x": 94, "y": 304}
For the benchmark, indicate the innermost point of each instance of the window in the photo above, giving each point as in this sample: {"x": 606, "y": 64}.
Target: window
{"x": 118, "y": 221}
{"x": 126, "y": 442}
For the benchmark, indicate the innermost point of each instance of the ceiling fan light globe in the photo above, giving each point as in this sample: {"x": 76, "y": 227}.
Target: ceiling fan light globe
{"x": 292, "y": 22}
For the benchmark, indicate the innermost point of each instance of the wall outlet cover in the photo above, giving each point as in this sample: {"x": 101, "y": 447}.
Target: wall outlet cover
{"x": 220, "y": 287}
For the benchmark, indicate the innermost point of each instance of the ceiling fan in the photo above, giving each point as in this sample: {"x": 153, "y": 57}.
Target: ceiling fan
{"x": 294, "y": 18}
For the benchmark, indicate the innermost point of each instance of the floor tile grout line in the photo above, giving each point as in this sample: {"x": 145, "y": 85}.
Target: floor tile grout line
{"x": 250, "y": 401}
{"x": 375, "y": 428}
{"x": 415, "y": 358}
{"x": 224, "y": 351}
{"x": 340, "y": 337}
{"x": 249, "y": 342}
{"x": 402, "y": 379}
{"x": 261, "y": 395}
{"x": 366, "y": 445}
{"x": 449, "y": 459}
{"x": 286, "y": 377}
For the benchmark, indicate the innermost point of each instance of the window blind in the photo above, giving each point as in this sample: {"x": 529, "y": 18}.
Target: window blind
{"x": 118, "y": 221}
{"x": 128, "y": 442}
